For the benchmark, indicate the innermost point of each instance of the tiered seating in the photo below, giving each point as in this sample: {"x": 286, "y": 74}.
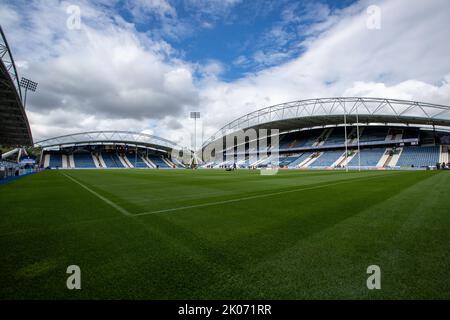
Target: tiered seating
{"x": 419, "y": 156}
{"x": 308, "y": 138}
{"x": 369, "y": 157}
{"x": 157, "y": 160}
{"x": 336, "y": 137}
{"x": 55, "y": 160}
{"x": 411, "y": 133}
{"x": 300, "y": 159}
{"x": 287, "y": 160}
{"x": 288, "y": 141}
{"x": 327, "y": 158}
{"x": 371, "y": 134}
{"x": 83, "y": 160}
{"x": 269, "y": 160}
{"x": 111, "y": 160}
{"x": 137, "y": 162}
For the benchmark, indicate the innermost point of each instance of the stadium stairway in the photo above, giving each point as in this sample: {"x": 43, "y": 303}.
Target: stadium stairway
{"x": 392, "y": 160}
{"x": 333, "y": 136}
{"x": 301, "y": 158}
{"x": 135, "y": 161}
{"x": 127, "y": 161}
{"x": 145, "y": 159}
{"x": 355, "y": 133}
{"x": 286, "y": 161}
{"x": 168, "y": 162}
{"x": 96, "y": 161}
{"x": 384, "y": 158}
{"x": 138, "y": 162}
{"x": 123, "y": 161}
{"x": 399, "y": 136}
{"x": 396, "y": 135}
{"x": 444, "y": 154}
{"x": 310, "y": 160}
{"x": 71, "y": 161}
{"x": 150, "y": 162}
{"x": 322, "y": 137}
{"x": 64, "y": 161}
{"x": 327, "y": 158}
{"x": 111, "y": 160}
{"x": 46, "y": 160}
{"x": 389, "y": 136}
{"x": 343, "y": 161}
{"x": 101, "y": 160}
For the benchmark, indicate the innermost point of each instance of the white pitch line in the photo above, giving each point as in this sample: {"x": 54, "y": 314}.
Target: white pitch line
{"x": 252, "y": 197}
{"x": 106, "y": 200}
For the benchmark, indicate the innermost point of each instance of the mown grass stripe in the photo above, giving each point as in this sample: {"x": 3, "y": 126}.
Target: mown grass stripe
{"x": 104, "y": 199}
{"x": 265, "y": 195}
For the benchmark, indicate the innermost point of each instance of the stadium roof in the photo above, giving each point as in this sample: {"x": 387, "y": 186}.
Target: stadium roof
{"x": 14, "y": 126}
{"x": 334, "y": 111}
{"x": 109, "y": 137}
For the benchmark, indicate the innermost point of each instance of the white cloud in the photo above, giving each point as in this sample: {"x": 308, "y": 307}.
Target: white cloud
{"x": 104, "y": 76}
{"x": 406, "y": 90}
{"x": 109, "y": 76}
{"x": 407, "y": 58}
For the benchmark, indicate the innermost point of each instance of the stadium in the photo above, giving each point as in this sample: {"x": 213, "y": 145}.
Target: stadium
{"x": 343, "y": 133}
{"x": 108, "y": 149}
{"x": 364, "y": 182}
{"x": 331, "y": 133}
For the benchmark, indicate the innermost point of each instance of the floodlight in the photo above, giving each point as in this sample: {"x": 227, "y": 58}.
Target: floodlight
{"x": 28, "y": 85}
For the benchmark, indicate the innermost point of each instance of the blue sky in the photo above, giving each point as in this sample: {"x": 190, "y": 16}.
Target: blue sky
{"x": 244, "y": 36}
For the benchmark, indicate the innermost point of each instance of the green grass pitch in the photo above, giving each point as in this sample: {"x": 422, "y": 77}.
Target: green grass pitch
{"x": 182, "y": 234}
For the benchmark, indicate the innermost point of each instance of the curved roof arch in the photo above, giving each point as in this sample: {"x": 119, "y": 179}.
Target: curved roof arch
{"x": 14, "y": 126}
{"x": 334, "y": 111}
{"x": 109, "y": 137}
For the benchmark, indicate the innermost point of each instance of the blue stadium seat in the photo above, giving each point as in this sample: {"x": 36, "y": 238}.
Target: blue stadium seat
{"x": 419, "y": 156}
{"x": 327, "y": 158}
{"x": 300, "y": 159}
{"x": 111, "y": 160}
{"x": 284, "y": 161}
{"x": 369, "y": 157}
{"x": 55, "y": 160}
{"x": 137, "y": 162}
{"x": 157, "y": 160}
{"x": 336, "y": 137}
{"x": 371, "y": 134}
{"x": 83, "y": 160}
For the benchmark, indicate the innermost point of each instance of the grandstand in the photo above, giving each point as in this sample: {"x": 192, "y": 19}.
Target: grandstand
{"x": 111, "y": 160}
{"x": 14, "y": 126}
{"x": 15, "y": 130}
{"x": 369, "y": 157}
{"x": 415, "y": 156}
{"x": 107, "y": 150}
{"x": 327, "y": 158}
{"x": 344, "y": 132}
